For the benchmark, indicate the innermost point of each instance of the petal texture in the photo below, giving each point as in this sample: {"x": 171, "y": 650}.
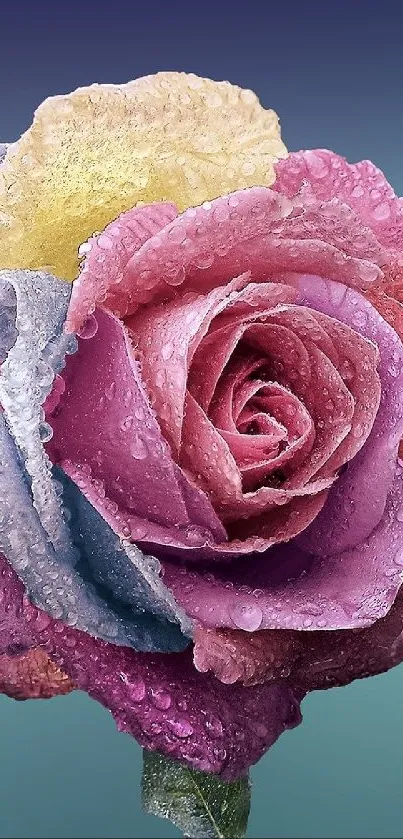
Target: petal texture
{"x": 98, "y": 151}
{"x": 156, "y": 698}
{"x": 32, "y": 676}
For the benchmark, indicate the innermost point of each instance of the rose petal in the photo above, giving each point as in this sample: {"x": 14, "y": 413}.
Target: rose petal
{"x": 362, "y": 186}
{"x": 131, "y": 578}
{"x": 252, "y": 230}
{"x": 52, "y": 583}
{"x": 157, "y": 698}
{"x": 32, "y": 676}
{"x": 115, "y": 433}
{"x": 171, "y": 136}
{"x": 252, "y": 658}
{"x": 209, "y": 458}
{"x": 26, "y": 378}
{"x": 253, "y": 302}
{"x": 293, "y": 590}
{"x": 106, "y": 256}
{"x": 166, "y": 338}
{"x": 114, "y": 449}
{"x": 346, "y": 521}
{"x": 312, "y": 660}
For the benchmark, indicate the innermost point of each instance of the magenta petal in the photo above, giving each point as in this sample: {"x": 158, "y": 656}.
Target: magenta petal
{"x": 346, "y": 520}
{"x": 160, "y": 699}
{"x": 104, "y": 420}
{"x": 105, "y": 427}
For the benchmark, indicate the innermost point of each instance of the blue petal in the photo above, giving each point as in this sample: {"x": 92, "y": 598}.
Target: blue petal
{"x": 34, "y": 533}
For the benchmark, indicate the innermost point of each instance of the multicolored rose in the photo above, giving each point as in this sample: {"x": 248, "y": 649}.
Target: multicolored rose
{"x": 200, "y": 484}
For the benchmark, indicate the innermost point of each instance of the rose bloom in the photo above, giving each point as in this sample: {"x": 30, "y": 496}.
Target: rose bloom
{"x": 201, "y": 496}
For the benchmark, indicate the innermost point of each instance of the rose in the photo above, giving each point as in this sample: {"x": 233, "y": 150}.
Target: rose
{"x": 263, "y": 480}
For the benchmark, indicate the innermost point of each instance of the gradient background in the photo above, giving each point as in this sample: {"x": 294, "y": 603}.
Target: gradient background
{"x": 334, "y": 73}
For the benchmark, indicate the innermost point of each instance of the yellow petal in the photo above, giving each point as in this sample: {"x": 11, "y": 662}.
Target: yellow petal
{"x": 94, "y": 153}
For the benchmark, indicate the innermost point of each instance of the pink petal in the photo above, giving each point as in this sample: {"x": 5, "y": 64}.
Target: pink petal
{"x": 346, "y": 521}
{"x": 361, "y": 186}
{"x": 310, "y": 374}
{"x": 166, "y": 337}
{"x": 253, "y": 230}
{"x": 208, "y": 456}
{"x": 113, "y": 436}
{"x": 107, "y": 255}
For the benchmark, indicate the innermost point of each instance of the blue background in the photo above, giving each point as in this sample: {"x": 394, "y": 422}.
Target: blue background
{"x": 334, "y": 72}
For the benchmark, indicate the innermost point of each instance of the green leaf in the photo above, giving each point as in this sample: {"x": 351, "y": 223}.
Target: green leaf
{"x": 198, "y": 803}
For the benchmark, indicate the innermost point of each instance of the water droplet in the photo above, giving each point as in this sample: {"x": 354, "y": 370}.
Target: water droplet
{"x": 181, "y": 727}
{"x": 110, "y": 391}
{"x": 197, "y": 535}
{"x": 161, "y": 699}
{"x": 381, "y": 212}
{"x": 247, "y": 617}
{"x": 89, "y": 328}
{"x": 260, "y": 730}
{"x": 358, "y": 430}
{"x": 167, "y": 351}
{"x": 138, "y": 448}
{"x": 398, "y": 557}
{"x": 360, "y": 319}
{"x": 126, "y": 423}
{"x": 105, "y": 242}
{"x": 137, "y": 690}
{"x": 45, "y": 432}
{"x": 214, "y": 727}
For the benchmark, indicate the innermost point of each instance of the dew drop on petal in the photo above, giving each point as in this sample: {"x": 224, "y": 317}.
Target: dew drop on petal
{"x": 45, "y": 432}
{"x": 245, "y": 617}
{"x": 138, "y": 448}
{"x": 161, "y": 700}
{"x": 89, "y": 328}
{"x": 182, "y": 728}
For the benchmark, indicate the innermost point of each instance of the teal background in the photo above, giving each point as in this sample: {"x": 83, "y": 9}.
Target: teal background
{"x": 66, "y": 772}
{"x": 333, "y": 71}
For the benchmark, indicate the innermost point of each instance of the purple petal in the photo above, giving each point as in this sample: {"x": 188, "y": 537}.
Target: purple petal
{"x": 160, "y": 699}
{"x": 290, "y": 589}
{"x": 357, "y": 500}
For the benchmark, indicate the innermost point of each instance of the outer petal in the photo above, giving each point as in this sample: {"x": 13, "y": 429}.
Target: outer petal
{"x": 32, "y": 676}
{"x": 346, "y": 520}
{"x": 294, "y": 590}
{"x": 34, "y": 535}
{"x": 256, "y": 230}
{"x": 161, "y": 700}
{"x": 311, "y": 660}
{"x": 98, "y": 151}
{"x": 106, "y": 257}
{"x": 361, "y": 186}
